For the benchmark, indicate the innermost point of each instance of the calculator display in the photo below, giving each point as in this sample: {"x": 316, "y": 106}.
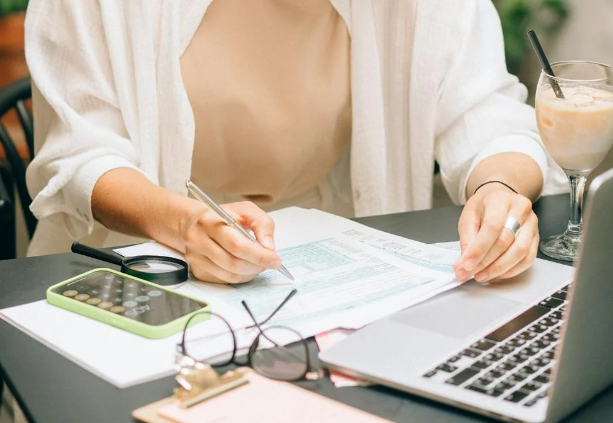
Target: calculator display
{"x": 129, "y": 298}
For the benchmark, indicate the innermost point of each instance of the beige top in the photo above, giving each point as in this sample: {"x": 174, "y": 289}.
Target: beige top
{"x": 269, "y": 86}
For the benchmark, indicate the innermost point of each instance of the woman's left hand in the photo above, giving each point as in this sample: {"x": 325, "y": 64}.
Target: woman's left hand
{"x": 489, "y": 250}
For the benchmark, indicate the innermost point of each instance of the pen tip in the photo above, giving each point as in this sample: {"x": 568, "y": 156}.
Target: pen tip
{"x": 286, "y": 272}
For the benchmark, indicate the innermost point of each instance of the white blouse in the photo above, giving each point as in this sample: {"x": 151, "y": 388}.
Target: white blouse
{"x": 428, "y": 81}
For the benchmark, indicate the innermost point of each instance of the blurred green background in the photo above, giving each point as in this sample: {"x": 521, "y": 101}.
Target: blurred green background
{"x": 12, "y": 6}
{"x": 517, "y": 16}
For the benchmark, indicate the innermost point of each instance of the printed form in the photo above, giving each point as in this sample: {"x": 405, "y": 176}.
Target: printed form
{"x": 347, "y": 274}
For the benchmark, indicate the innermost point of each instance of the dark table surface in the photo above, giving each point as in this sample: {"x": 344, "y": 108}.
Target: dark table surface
{"x": 52, "y": 389}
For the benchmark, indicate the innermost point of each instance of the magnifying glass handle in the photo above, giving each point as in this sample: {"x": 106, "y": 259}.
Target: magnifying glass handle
{"x": 84, "y": 250}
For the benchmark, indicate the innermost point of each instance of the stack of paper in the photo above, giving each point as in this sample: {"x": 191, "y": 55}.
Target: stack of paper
{"x": 347, "y": 275}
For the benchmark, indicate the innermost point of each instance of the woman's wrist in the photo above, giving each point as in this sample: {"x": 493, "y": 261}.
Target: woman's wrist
{"x": 488, "y": 189}
{"x": 124, "y": 200}
{"x": 180, "y": 215}
{"x": 495, "y": 181}
{"x": 514, "y": 172}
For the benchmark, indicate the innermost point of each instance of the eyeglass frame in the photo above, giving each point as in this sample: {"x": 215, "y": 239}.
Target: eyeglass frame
{"x": 310, "y": 373}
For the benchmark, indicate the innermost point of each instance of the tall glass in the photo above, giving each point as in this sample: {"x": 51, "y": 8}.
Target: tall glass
{"x": 577, "y": 130}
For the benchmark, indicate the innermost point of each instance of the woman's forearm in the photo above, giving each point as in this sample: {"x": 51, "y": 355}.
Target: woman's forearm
{"x": 124, "y": 200}
{"x": 515, "y": 169}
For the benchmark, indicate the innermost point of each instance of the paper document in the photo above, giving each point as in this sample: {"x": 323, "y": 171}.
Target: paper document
{"x": 347, "y": 275}
{"x": 453, "y": 245}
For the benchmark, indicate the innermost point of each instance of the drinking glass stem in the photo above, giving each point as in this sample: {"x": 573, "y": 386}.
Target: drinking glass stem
{"x": 577, "y": 184}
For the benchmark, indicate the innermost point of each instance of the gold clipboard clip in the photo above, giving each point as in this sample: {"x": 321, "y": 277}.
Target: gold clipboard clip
{"x": 199, "y": 382}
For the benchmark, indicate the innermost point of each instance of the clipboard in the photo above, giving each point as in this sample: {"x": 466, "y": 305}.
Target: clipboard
{"x": 149, "y": 413}
{"x": 262, "y": 400}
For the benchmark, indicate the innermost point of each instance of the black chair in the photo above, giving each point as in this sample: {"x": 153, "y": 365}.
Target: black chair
{"x": 8, "y": 237}
{"x": 7, "y": 211}
{"x": 13, "y": 170}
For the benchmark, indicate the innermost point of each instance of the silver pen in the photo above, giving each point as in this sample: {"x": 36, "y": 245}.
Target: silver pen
{"x": 200, "y": 195}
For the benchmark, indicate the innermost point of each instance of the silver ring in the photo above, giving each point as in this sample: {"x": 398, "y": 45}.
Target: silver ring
{"x": 512, "y": 224}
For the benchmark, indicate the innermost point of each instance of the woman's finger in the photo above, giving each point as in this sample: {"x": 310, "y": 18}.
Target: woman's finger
{"x": 243, "y": 248}
{"x": 519, "y": 250}
{"x": 468, "y": 225}
{"x": 525, "y": 264}
{"x": 205, "y": 270}
{"x": 230, "y": 239}
{"x": 502, "y": 244}
{"x": 521, "y": 209}
{"x": 255, "y": 219}
{"x": 495, "y": 210}
{"x": 225, "y": 247}
{"x": 222, "y": 258}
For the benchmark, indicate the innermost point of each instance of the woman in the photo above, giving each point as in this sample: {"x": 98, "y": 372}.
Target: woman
{"x": 336, "y": 104}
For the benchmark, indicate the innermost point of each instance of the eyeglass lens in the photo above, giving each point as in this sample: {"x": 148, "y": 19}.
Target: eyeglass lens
{"x": 211, "y": 343}
{"x": 279, "y": 353}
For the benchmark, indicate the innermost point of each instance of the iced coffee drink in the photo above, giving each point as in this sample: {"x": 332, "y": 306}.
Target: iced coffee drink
{"x": 577, "y": 130}
{"x": 574, "y": 112}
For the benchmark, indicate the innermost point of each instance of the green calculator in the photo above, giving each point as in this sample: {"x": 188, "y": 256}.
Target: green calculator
{"x": 127, "y": 302}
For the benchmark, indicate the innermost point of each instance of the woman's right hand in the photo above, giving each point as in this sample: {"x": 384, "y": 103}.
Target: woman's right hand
{"x": 219, "y": 253}
{"x": 124, "y": 200}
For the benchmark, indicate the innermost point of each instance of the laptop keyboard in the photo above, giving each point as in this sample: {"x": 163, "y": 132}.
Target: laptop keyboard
{"x": 513, "y": 362}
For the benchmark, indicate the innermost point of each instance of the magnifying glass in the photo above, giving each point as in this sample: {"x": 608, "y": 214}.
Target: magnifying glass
{"x": 157, "y": 269}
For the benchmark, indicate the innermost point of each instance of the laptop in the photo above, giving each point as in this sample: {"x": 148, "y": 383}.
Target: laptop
{"x": 533, "y": 349}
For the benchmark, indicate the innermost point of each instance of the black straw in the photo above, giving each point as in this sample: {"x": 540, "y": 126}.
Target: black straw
{"x": 545, "y": 63}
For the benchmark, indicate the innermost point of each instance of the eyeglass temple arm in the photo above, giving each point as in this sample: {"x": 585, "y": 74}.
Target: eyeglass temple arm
{"x": 256, "y": 324}
{"x": 289, "y": 297}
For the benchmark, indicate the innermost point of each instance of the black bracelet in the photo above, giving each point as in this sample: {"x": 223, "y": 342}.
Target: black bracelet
{"x": 496, "y": 182}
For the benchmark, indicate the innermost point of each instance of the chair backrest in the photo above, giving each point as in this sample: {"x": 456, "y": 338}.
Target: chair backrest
{"x": 14, "y": 97}
{"x": 7, "y": 211}
{"x": 8, "y": 227}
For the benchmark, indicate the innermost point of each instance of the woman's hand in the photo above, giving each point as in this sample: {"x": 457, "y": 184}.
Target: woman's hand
{"x": 489, "y": 250}
{"x": 219, "y": 253}
{"x": 124, "y": 200}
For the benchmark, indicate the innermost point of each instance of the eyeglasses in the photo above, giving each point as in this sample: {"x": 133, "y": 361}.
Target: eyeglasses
{"x": 276, "y": 352}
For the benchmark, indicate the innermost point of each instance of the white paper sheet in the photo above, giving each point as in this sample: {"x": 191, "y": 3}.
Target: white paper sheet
{"x": 347, "y": 275}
